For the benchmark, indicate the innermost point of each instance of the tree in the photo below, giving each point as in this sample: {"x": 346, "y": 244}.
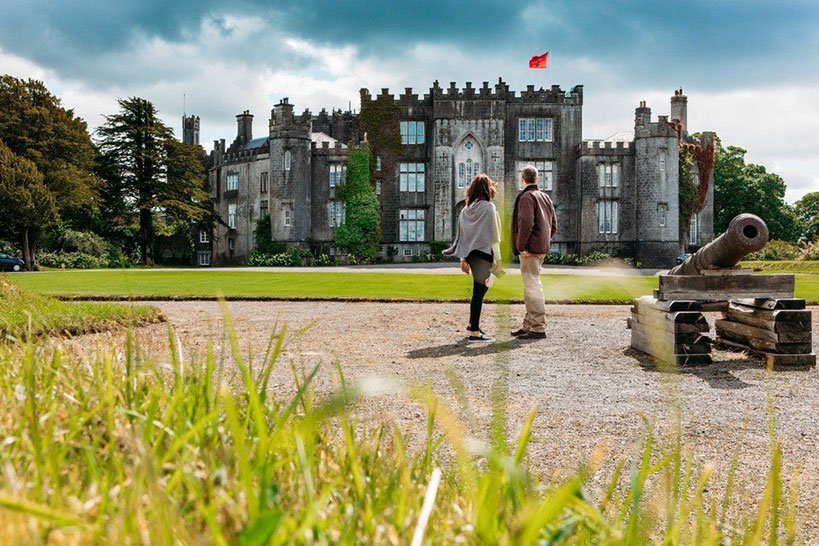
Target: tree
{"x": 360, "y": 233}
{"x": 26, "y": 204}
{"x": 151, "y": 172}
{"x": 35, "y": 126}
{"x": 807, "y": 210}
{"x": 741, "y": 187}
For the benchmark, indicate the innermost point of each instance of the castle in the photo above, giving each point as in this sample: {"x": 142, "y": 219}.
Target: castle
{"x": 619, "y": 195}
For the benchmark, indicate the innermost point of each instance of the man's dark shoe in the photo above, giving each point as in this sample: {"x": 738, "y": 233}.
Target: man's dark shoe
{"x": 533, "y": 335}
{"x": 518, "y": 333}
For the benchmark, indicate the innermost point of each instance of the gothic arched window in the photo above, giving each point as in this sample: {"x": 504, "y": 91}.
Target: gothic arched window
{"x": 287, "y": 160}
{"x": 461, "y": 175}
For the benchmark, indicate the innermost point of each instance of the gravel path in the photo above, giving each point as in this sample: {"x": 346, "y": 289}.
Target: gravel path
{"x": 591, "y": 390}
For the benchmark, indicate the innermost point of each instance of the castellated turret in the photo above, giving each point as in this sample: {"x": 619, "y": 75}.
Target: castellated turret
{"x": 290, "y": 181}
{"x": 657, "y": 186}
{"x": 190, "y": 129}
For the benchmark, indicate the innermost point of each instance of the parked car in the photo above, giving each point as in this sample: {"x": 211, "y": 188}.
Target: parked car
{"x": 10, "y": 263}
{"x": 682, "y": 257}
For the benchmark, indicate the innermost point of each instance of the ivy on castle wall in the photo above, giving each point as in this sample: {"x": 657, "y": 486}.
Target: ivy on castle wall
{"x": 689, "y": 193}
{"x": 379, "y": 120}
{"x": 360, "y": 234}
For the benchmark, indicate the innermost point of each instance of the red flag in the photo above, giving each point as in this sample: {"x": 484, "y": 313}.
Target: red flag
{"x": 539, "y": 61}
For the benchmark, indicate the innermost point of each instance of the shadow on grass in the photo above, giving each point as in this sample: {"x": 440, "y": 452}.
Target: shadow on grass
{"x": 718, "y": 375}
{"x": 465, "y": 348}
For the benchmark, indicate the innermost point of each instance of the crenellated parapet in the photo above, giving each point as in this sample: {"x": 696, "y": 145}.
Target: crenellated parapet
{"x": 498, "y": 92}
{"x": 328, "y": 149}
{"x": 605, "y": 148}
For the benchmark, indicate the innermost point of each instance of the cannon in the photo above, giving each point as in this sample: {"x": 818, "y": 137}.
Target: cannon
{"x": 746, "y": 233}
{"x": 759, "y": 312}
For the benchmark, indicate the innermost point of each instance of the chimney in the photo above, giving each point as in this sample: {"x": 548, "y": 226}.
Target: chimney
{"x": 642, "y": 115}
{"x": 244, "y": 127}
{"x": 679, "y": 108}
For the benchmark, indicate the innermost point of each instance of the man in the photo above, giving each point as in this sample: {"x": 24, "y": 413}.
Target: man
{"x": 533, "y": 225}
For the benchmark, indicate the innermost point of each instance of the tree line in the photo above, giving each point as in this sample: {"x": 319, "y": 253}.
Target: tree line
{"x": 124, "y": 184}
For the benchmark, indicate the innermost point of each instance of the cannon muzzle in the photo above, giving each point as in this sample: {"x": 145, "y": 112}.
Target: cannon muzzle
{"x": 746, "y": 233}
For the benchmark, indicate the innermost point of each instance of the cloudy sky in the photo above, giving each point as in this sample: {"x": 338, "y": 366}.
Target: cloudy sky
{"x": 749, "y": 67}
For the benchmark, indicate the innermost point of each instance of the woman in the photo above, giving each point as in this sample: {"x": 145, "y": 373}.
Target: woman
{"x": 477, "y": 244}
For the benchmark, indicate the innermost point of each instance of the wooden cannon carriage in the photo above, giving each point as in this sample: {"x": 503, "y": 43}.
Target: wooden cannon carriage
{"x": 760, "y": 314}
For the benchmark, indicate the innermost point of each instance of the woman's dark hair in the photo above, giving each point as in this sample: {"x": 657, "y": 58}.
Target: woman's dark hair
{"x": 481, "y": 188}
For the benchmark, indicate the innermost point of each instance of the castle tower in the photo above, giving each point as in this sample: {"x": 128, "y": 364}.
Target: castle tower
{"x": 679, "y": 108}
{"x": 190, "y": 129}
{"x": 290, "y": 174}
{"x": 244, "y": 127}
{"x": 657, "y": 188}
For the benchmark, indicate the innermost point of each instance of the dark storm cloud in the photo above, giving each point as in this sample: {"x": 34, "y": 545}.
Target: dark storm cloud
{"x": 713, "y": 43}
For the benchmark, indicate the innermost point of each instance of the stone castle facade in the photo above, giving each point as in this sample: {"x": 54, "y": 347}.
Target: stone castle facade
{"x": 618, "y": 195}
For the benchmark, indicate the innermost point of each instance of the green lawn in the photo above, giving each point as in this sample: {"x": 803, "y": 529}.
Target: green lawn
{"x": 785, "y": 266}
{"x": 144, "y": 284}
{"x": 258, "y": 284}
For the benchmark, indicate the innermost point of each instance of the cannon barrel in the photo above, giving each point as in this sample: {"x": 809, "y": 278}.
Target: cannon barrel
{"x": 745, "y": 234}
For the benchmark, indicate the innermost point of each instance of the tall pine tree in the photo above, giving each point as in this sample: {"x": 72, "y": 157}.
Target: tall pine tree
{"x": 150, "y": 171}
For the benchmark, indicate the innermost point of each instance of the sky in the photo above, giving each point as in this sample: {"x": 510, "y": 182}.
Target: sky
{"x": 750, "y": 68}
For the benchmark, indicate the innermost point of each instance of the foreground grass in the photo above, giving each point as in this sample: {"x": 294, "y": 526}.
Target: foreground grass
{"x": 120, "y": 449}
{"x": 23, "y": 313}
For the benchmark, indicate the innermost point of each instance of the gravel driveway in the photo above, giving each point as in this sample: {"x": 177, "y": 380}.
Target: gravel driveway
{"x": 591, "y": 390}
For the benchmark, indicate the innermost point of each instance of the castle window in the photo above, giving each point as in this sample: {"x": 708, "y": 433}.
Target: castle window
{"x": 411, "y": 177}
{"x": 694, "y": 230}
{"x": 288, "y": 159}
{"x": 378, "y": 163}
{"x": 288, "y": 214}
{"x": 232, "y": 181}
{"x": 232, "y": 216}
{"x": 336, "y": 213}
{"x": 263, "y": 183}
{"x": 337, "y": 174}
{"x": 231, "y": 244}
{"x": 662, "y": 158}
{"x": 263, "y": 207}
{"x": 203, "y": 236}
{"x": 461, "y": 175}
{"x": 662, "y": 214}
{"x": 534, "y": 129}
{"x": 545, "y": 171}
{"x": 378, "y": 187}
{"x": 607, "y": 217}
{"x": 204, "y": 258}
{"x": 608, "y": 175}
{"x": 412, "y": 132}
{"x": 411, "y": 225}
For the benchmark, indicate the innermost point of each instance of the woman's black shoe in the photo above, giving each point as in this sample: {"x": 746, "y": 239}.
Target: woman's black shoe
{"x": 482, "y": 338}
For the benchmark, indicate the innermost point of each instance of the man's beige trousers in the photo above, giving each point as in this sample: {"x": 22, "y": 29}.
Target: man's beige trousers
{"x": 535, "y": 319}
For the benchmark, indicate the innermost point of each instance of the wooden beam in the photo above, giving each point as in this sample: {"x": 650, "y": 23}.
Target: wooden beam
{"x": 753, "y": 332}
{"x": 725, "y": 287}
{"x": 675, "y": 305}
{"x": 784, "y": 321}
{"x": 764, "y": 303}
{"x": 663, "y": 323}
{"x": 771, "y": 360}
{"x": 764, "y": 345}
{"x": 654, "y": 332}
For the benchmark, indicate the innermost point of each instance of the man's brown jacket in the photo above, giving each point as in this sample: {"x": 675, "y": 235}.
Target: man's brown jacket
{"x": 533, "y": 221}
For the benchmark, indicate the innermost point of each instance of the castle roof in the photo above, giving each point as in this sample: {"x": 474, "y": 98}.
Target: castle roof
{"x": 255, "y": 143}
{"x": 621, "y": 136}
{"x": 319, "y": 137}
